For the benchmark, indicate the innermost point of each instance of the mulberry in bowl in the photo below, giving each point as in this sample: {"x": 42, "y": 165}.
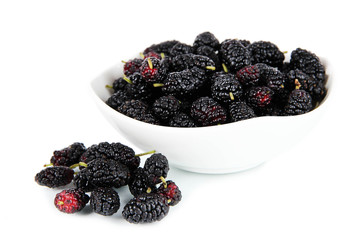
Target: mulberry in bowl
{"x": 219, "y": 127}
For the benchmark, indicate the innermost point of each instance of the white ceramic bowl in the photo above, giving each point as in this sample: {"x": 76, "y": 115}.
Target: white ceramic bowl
{"x": 223, "y": 148}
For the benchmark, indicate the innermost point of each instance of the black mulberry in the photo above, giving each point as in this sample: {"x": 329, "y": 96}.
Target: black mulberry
{"x": 300, "y": 102}
{"x": 116, "y": 151}
{"x": 139, "y": 183}
{"x": 206, "y": 111}
{"x": 102, "y": 173}
{"x": 165, "y": 107}
{"x": 156, "y": 167}
{"x": 240, "y": 111}
{"x": 234, "y": 55}
{"x": 69, "y": 155}
{"x": 56, "y": 176}
{"x": 105, "y": 201}
{"x": 309, "y": 63}
{"x": 146, "y": 208}
{"x": 266, "y": 52}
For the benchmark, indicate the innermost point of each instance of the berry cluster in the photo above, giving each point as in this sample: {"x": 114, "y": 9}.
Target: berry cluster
{"x": 211, "y": 82}
{"x": 104, "y": 167}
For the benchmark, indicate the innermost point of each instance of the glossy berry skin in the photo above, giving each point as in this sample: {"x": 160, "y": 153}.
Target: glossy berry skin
{"x": 266, "y": 52}
{"x": 181, "y": 120}
{"x": 156, "y": 166}
{"x": 206, "y": 112}
{"x": 171, "y": 192}
{"x": 163, "y": 47}
{"x": 104, "y": 201}
{"x": 139, "y": 183}
{"x": 308, "y": 63}
{"x": 206, "y": 39}
{"x": 152, "y": 70}
{"x": 102, "y": 173}
{"x": 226, "y": 90}
{"x": 240, "y": 111}
{"x": 69, "y": 155}
{"x": 299, "y": 102}
{"x": 53, "y": 177}
{"x": 260, "y": 98}
{"x": 116, "y": 151}
{"x": 249, "y": 76}
{"x": 132, "y": 66}
{"x": 138, "y": 110}
{"x": 146, "y": 208}
{"x": 71, "y": 200}
{"x": 234, "y": 55}
{"x": 165, "y": 107}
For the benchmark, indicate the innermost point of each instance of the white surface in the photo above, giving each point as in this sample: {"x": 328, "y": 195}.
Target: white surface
{"x": 50, "y": 51}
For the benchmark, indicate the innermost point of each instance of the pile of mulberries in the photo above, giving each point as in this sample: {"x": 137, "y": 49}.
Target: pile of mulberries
{"x": 211, "y": 82}
{"x": 91, "y": 176}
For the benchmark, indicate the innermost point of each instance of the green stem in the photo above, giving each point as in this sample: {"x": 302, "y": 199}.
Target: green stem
{"x": 145, "y": 153}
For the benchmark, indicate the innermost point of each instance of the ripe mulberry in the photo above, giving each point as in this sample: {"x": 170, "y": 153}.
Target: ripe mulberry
{"x": 300, "y": 102}
{"x": 181, "y": 120}
{"x": 53, "y": 177}
{"x": 206, "y": 39}
{"x": 139, "y": 183}
{"x": 240, "y": 111}
{"x": 69, "y": 155}
{"x": 309, "y": 63}
{"x": 165, "y": 107}
{"x": 266, "y": 52}
{"x": 116, "y": 151}
{"x": 206, "y": 111}
{"x": 226, "y": 89}
{"x": 105, "y": 201}
{"x": 102, "y": 173}
{"x": 132, "y": 66}
{"x": 146, "y": 208}
{"x": 156, "y": 167}
{"x": 234, "y": 55}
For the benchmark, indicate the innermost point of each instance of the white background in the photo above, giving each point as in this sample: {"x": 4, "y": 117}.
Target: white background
{"x": 51, "y": 50}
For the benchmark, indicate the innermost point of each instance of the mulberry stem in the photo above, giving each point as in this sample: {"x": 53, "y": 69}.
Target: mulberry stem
{"x": 78, "y": 164}
{"x": 123, "y": 61}
{"x": 148, "y": 190}
{"x": 142, "y": 55}
{"x": 231, "y": 96}
{"x": 48, "y": 165}
{"x": 225, "y": 68}
{"x": 108, "y": 86}
{"x": 145, "y": 153}
{"x": 158, "y": 84}
{"x": 127, "y": 79}
{"x": 163, "y": 181}
{"x": 162, "y": 55}
{"x": 210, "y": 67}
{"x": 150, "y": 63}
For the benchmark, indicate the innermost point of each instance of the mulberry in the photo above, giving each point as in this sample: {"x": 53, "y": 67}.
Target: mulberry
{"x": 53, "y": 177}
{"x": 146, "y": 208}
{"x": 69, "y": 155}
{"x": 300, "y": 102}
{"x": 156, "y": 167}
{"x": 234, "y": 55}
{"x": 102, "y": 173}
{"x": 206, "y": 111}
{"x": 240, "y": 111}
{"x": 116, "y": 151}
{"x": 105, "y": 201}
{"x": 266, "y": 52}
